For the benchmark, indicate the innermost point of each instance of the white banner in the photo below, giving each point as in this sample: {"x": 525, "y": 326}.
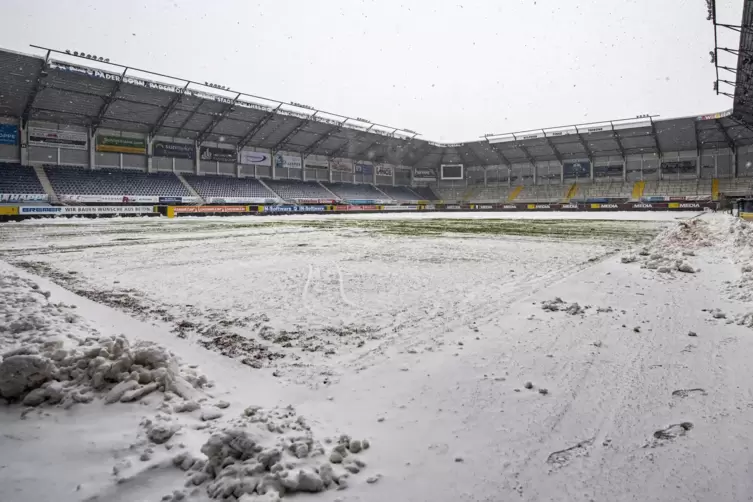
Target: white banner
{"x": 400, "y": 208}
{"x": 240, "y": 200}
{"x": 287, "y": 161}
{"x": 53, "y": 210}
{"x": 312, "y": 163}
{"x": 108, "y": 198}
{"x": 20, "y": 197}
{"x": 55, "y": 138}
{"x": 383, "y": 170}
{"x": 341, "y": 165}
{"x": 124, "y": 199}
{"x": 257, "y": 158}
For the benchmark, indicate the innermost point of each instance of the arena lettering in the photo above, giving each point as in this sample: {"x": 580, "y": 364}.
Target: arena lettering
{"x": 694, "y": 206}
{"x": 643, "y": 206}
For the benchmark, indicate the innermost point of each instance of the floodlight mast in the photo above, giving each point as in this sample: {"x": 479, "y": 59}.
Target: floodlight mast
{"x": 742, "y": 30}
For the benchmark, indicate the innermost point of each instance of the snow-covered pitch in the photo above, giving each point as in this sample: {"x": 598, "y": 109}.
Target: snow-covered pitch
{"x": 420, "y": 357}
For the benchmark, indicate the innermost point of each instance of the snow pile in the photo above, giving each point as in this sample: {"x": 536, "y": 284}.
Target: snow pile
{"x": 55, "y": 357}
{"x": 266, "y": 454}
{"x": 670, "y": 251}
{"x": 558, "y": 304}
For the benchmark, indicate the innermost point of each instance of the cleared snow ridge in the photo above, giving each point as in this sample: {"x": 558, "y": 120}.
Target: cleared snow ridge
{"x": 52, "y": 360}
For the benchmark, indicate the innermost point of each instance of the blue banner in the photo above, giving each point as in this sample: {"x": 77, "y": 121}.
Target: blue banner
{"x": 8, "y": 134}
{"x": 365, "y": 169}
{"x": 170, "y": 200}
{"x": 361, "y": 202}
{"x": 294, "y": 209}
{"x": 578, "y": 169}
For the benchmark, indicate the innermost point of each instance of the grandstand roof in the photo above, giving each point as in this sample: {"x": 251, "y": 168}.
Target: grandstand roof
{"x": 46, "y": 89}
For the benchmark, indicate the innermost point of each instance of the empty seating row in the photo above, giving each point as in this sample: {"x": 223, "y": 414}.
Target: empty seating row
{"x": 17, "y": 179}
{"x": 292, "y": 190}
{"x": 80, "y": 181}
{"x": 402, "y": 194}
{"x": 349, "y": 191}
{"x": 225, "y": 186}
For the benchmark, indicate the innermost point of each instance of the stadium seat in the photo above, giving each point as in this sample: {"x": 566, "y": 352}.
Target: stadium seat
{"x": 80, "y": 181}
{"x": 352, "y": 191}
{"x": 223, "y": 186}
{"x": 17, "y": 179}
{"x": 399, "y": 193}
{"x": 292, "y": 190}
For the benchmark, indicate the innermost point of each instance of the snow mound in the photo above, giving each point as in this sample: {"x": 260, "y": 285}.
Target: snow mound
{"x": 558, "y": 304}
{"x": 53, "y": 356}
{"x": 670, "y": 250}
{"x": 270, "y": 453}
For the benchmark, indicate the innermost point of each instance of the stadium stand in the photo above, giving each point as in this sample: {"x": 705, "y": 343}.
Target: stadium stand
{"x": 292, "y": 190}
{"x": 542, "y": 193}
{"x": 492, "y": 193}
{"x": 735, "y": 187}
{"x": 678, "y": 188}
{"x": 426, "y": 193}
{"x": 17, "y": 179}
{"x": 224, "y": 186}
{"x": 400, "y": 194}
{"x": 80, "y": 181}
{"x": 349, "y": 191}
{"x": 610, "y": 190}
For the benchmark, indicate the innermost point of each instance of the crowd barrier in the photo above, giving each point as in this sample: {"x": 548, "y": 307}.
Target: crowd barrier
{"x": 24, "y": 211}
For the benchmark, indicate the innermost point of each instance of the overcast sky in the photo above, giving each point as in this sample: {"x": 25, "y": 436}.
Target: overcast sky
{"x": 450, "y": 70}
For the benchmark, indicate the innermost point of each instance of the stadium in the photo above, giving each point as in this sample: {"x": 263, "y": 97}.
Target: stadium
{"x": 207, "y": 295}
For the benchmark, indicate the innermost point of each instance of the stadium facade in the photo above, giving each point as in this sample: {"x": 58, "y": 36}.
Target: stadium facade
{"x": 106, "y": 133}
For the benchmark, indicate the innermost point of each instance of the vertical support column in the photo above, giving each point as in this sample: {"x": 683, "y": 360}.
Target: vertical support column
{"x": 120, "y": 160}
{"x": 373, "y": 174}
{"x": 716, "y": 163}
{"x": 303, "y": 168}
{"x": 591, "y": 169}
{"x": 197, "y": 159}
{"x": 535, "y": 174}
{"x": 734, "y": 163}
{"x": 92, "y": 158}
{"x": 273, "y": 169}
{"x": 562, "y": 173}
{"x": 23, "y": 142}
{"x": 394, "y": 175}
{"x": 699, "y": 160}
{"x": 484, "y": 176}
{"x": 624, "y": 169}
{"x": 149, "y": 157}
{"x": 173, "y": 163}
{"x": 329, "y": 170}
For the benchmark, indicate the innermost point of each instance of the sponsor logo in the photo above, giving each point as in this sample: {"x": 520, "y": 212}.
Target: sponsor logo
{"x": 689, "y": 205}
{"x": 483, "y": 207}
{"x": 19, "y": 197}
{"x": 259, "y": 158}
{"x": 643, "y": 206}
{"x": 543, "y": 206}
{"x": 569, "y": 206}
{"x": 37, "y": 210}
{"x": 454, "y": 207}
{"x": 509, "y": 206}
{"x": 210, "y": 209}
{"x": 170, "y": 200}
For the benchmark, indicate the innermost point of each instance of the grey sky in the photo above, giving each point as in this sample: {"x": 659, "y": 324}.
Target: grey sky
{"x": 449, "y": 70}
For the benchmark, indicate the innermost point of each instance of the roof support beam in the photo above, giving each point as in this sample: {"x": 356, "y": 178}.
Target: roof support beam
{"x": 698, "y": 144}
{"x": 216, "y": 120}
{"x": 617, "y": 140}
{"x": 284, "y": 141}
{"x": 423, "y": 156}
{"x": 584, "y": 144}
{"x": 554, "y": 148}
{"x": 727, "y": 138}
{"x": 474, "y": 155}
{"x": 106, "y": 103}
{"x": 256, "y": 128}
{"x": 323, "y": 138}
{"x": 38, "y": 85}
{"x": 656, "y": 138}
{"x": 190, "y": 116}
{"x": 501, "y": 155}
{"x": 168, "y": 110}
{"x": 527, "y": 154}
{"x": 342, "y": 148}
